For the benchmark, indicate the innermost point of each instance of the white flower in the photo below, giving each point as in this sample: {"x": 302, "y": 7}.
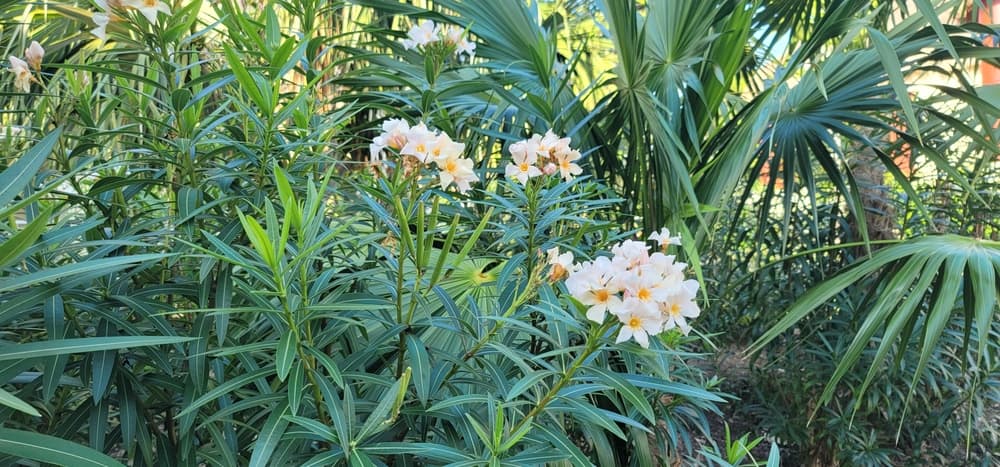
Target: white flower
{"x": 559, "y": 264}
{"x": 648, "y": 289}
{"x": 630, "y": 253}
{"x": 101, "y": 20}
{"x": 664, "y": 239}
{"x": 148, "y": 8}
{"x": 454, "y": 35}
{"x": 419, "y": 141}
{"x": 34, "y": 54}
{"x": 22, "y": 75}
{"x": 456, "y": 170}
{"x": 552, "y": 144}
{"x": 422, "y": 34}
{"x": 677, "y": 307}
{"x": 524, "y": 155}
{"x": 394, "y": 131}
{"x": 444, "y": 148}
{"x": 593, "y": 285}
{"x": 638, "y": 323}
{"x": 567, "y": 165}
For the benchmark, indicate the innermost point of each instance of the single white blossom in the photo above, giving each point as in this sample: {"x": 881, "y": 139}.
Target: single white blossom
{"x": 638, "y": 323}
{"x": 34, "y": 54}
{"x": 678, "y": 307}
{"x": 456, "y": 170}
{"x": 419, "y": 141}
{"x": 149, "y": 8}
{"x": 593, "y": 285}
{"x": 524, "y": 158}
{"x": 566, "y": 161}
{"x": 444, "y": 148}
{"x": 422, "y": 34}
{"x": 394, "y": 131}
{"x": 22, "y": 74}
{"x": 454, "y": 35}
{"x": 559, "y": 264}
{"x": 664, "y": 239}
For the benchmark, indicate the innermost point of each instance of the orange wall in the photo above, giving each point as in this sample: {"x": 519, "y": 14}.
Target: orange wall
{"x": 991, "y": 74}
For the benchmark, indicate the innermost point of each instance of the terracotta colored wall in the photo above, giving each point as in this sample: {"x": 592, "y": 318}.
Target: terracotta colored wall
{"x": 991, "y": 74}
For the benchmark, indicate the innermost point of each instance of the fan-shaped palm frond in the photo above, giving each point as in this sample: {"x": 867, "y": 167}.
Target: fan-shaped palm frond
{"x": 919, "y": 285}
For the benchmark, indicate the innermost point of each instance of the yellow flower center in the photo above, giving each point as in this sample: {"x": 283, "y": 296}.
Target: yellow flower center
{"x": 523, "y": 166}
{"x": 450, "y": 165}
{"x": 634, "y": 322}
{"x": 601, "y": 295}
{"x": 564, "y": 164}
{"x": 644, "y": 294}
{"x": 421, "y": 148}
{"x": 149, "y": 3}
{"x": 675, "y": 309}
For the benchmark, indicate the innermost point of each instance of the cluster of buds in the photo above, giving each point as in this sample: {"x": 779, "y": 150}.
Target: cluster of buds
{"x": 427, "y": 34}
{"x": 148, "y": 8}
{"x": 542, "y": 154}
{"x": 419, "y": 146}
{"x": 22, "y": 68}
{"x": 647, "y": 293}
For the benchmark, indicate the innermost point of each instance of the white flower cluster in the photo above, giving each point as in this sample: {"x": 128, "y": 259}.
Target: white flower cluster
{"x": 22, "y": 68}
{"x": 539, "y": 155}
{"x": 646, "y": 292}
{"x": 149, "y": 8}
{"x": 426, "y": 33}
{"x": 423, "y": 146}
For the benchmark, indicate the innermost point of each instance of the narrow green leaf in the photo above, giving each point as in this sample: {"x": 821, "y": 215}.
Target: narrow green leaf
{"x": 247, "y": 82}
{"x": 102, "y": 362}
{"x": 15, "y": 403}
{"x": 285, "y": 354}
{"x": 19, "y": 174}
{"x": 270, "y": 435}
{"x": 296, "y": 387}
{"x": 81, "y": 345}
{"x": 566, "y": 447}
{"x": 633, "y": 397}
{"x": 107, "y": 265}
{"x": 421, "y": 364}
{"x": 382, "y": 417}
{"x": 984, "y": 286}
{"x": 45, "y": 448}
{"x": 13, "y": 247}
{"x": 894, "y": 70}
{"x": 225, "y": 388}
{"x": 258, "y": 237}
{"x": 322, "y": 431}
{"x": 932, "y": 16}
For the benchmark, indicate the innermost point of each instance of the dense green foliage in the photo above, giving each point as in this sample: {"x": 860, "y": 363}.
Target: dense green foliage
{"x": 202, "y": 263}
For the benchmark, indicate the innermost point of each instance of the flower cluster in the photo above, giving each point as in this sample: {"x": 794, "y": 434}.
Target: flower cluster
{"x": 420, "y": 146}
{"x": 22, "y": 68}
{"x": 426, "y": 33}
{"x": 646, "y": 292}
{"x": 148, "y": 8}
{"x": 542, "y": 154}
